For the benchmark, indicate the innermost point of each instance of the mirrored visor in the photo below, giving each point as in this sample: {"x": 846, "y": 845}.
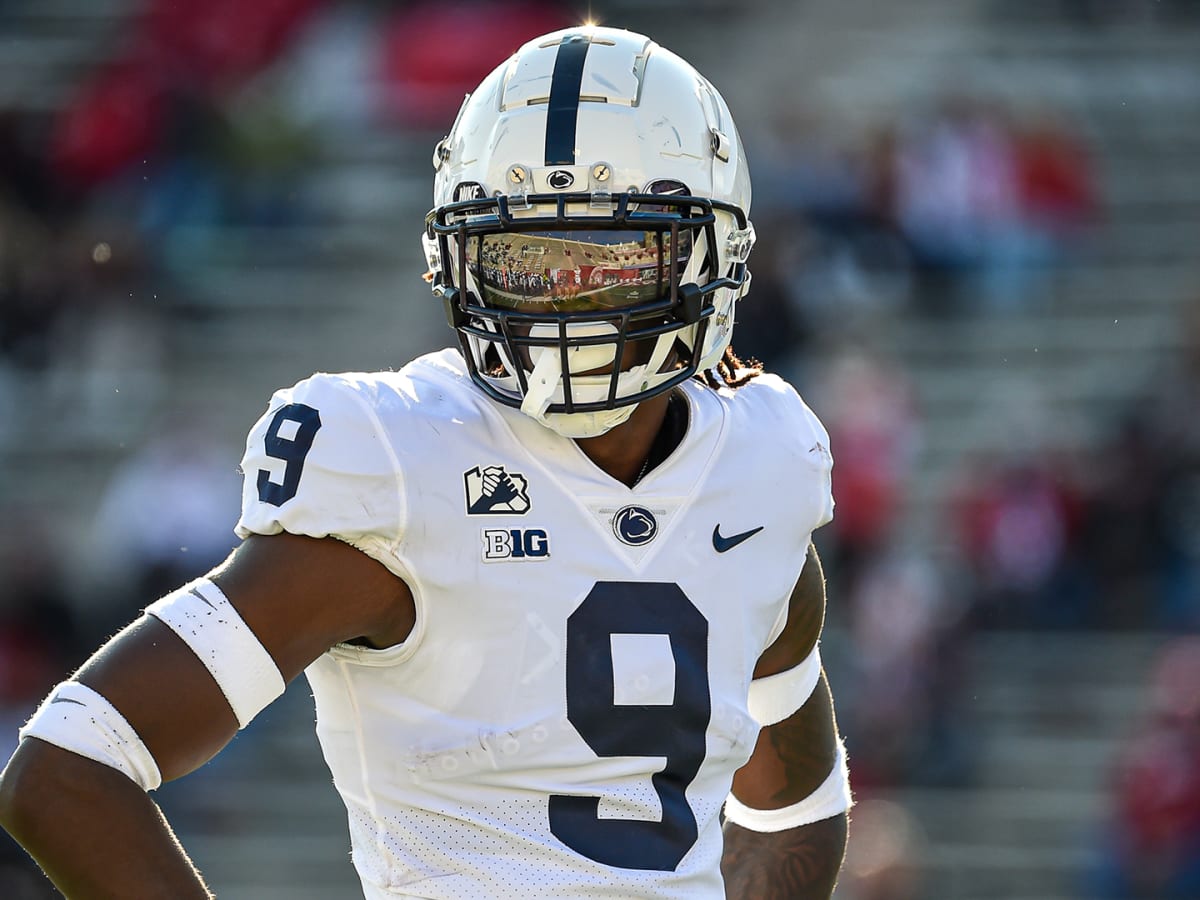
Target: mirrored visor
{"x": 575, "y": 271}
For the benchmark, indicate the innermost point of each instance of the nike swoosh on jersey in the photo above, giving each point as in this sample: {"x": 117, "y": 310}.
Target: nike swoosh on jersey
{"x": 721, "y": 544}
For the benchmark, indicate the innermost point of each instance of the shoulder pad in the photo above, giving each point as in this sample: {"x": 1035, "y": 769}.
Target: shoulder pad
{"x": 319, "y": 463}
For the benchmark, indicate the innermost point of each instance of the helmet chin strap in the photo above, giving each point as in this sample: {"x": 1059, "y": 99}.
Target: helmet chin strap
{"x": 545, "y": 385}
{"x": 543, "y": 381}
{"x": 546, "y": 376}
{"x": 587, "y": 425}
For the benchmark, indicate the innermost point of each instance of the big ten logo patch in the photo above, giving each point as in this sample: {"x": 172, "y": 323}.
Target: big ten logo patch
{"x": 515, "y": 543}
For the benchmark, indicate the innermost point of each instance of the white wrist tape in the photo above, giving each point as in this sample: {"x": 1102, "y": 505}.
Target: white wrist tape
{"x": 775, "y": 697}
{"x": 208, "y": 623}
{"x": 830, "y": 799}
{"x": 79, "y": 719}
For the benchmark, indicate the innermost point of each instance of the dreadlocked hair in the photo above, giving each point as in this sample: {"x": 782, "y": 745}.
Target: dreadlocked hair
{"x": 731, "y": 371}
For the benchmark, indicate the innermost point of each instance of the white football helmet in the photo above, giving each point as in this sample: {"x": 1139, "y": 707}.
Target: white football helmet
{"x": 589, "y": 234}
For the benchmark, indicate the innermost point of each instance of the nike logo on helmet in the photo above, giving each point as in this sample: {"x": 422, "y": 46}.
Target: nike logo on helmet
{"x": 721, "y": 544}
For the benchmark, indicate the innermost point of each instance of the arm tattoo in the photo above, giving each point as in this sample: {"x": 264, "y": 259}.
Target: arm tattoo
{"x": 792, "y": 759}
{"x": 805, "y": 747}
{"x": 796, "y": 864}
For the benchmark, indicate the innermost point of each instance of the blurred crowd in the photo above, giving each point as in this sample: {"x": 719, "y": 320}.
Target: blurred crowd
{"x": 1099, "y": 13}
{"x": 214, "y": 117}
{"x": 1150, "y": 846}
{"x": 1102, "y": 538}
{"x": 953, "y": 208}
{"x": 207, "y": 118}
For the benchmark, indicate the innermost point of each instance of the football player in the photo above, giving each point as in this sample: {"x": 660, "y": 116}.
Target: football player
{"x": 554, "y": 589}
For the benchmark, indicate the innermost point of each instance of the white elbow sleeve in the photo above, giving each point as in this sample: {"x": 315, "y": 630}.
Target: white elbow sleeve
{"x": 201, "y": 615}
{"x": 830, "y": 799}
{"x": 77, "y": 718}
{"x": 775, "y": 697}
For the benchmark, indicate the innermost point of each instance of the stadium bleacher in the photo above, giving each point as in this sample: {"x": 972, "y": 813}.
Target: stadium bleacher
{"x": 261, "y": 307}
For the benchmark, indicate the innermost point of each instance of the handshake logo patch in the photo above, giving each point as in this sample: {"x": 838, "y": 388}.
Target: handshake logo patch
{"x": 493, "y": 491}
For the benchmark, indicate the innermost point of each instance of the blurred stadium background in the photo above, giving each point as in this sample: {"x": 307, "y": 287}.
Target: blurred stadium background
{"x": 978, "y": 260}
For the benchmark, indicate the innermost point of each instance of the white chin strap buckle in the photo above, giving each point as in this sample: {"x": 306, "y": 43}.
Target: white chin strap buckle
{"x": 543, "y": 381}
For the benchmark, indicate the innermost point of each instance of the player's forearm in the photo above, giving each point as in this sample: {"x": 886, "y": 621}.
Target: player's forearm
{"x": 93, "y": 831}
{"x": 796, "y": 864}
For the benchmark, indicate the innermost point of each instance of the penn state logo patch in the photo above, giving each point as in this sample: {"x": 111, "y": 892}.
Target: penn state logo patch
{"x": 560, "y": 179}
{"x": 493, "y": 491}
{"x": 634, "y": 525}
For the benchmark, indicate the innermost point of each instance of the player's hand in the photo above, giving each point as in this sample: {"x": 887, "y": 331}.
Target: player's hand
{"x": 498, "y": 485}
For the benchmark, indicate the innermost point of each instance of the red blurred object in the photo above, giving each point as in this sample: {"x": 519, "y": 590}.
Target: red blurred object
{"x": 1158, "y": 781}
{"x": 1159, "y": 790}
{"x": 433, "y": 54}
{"x": 118, "y": 117}
{"x": 1176, "y": 684}
{"x": 220, "y": 41}
{"x": 114, "y": 120}
{"x": 1055, "y": 176}
{"x": 27, "y": 665}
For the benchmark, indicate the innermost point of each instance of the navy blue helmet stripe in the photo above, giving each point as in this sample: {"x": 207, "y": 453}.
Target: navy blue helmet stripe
{"x": 563, "y": 114}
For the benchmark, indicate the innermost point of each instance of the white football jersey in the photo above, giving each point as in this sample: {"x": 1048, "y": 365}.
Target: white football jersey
{"x": 567, "y": 715}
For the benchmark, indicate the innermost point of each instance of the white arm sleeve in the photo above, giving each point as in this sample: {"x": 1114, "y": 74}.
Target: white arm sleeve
{"x": 775, "y": 697}
{"x": 77, "y": 718}
{"x": 205, "y": 620}
{"x": 832, "y": 798}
